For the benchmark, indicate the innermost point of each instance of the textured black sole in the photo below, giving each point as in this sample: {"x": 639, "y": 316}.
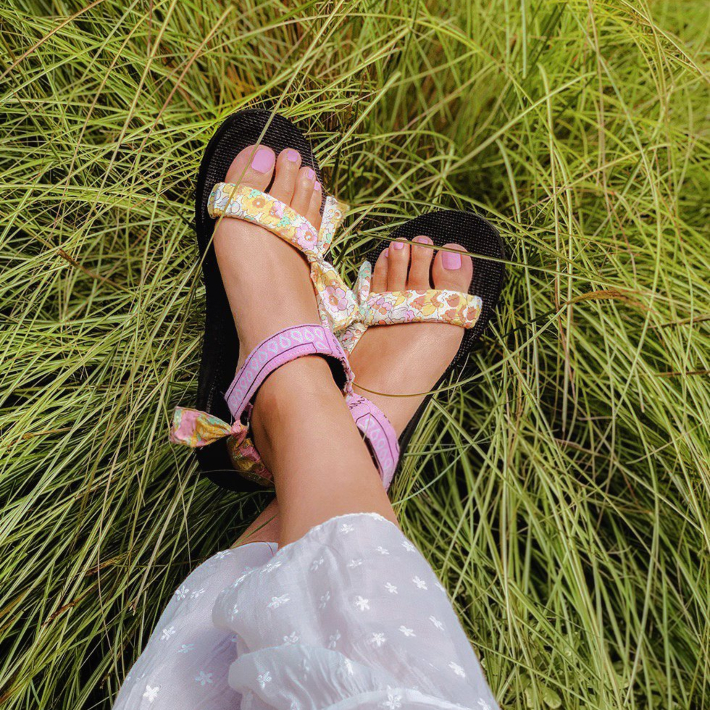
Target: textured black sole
{"x": 220, "y": 351}
{"x": 477, "y": 236}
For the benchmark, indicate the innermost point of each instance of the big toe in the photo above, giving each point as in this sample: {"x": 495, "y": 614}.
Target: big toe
{"x": 452, "y": 268}
{"x": 254, "y": 167}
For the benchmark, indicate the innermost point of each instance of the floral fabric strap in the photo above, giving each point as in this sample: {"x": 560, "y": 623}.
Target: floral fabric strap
{"x": 336, "y": 302}
{"x": 379, "y": 434}
{"x": 413, "y": 306}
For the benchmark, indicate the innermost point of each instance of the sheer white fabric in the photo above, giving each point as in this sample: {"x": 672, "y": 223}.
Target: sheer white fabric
{"x": 349, "y": 616}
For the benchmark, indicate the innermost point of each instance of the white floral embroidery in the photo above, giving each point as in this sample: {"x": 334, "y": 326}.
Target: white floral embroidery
{"x": 264, "y": 678}
{"x": 408, "y": 546}
{"x": 362, "y": 604}
{"x": 419, "y": 582}
{"x": 354, "y": 563}
{"x": 391, "y": 588}
{"x": 377, "y": 639}
{"x": 484, "y": 705}
{"x": 394, "y": 700}
{"x": 345, "y": 528}
{"x": 324, "y": 600}
{"x": 197, "y": 593}
{"x": 276, "y": 602}
{"x": 186, "y": 648}
{"x": 222, "y": 554}
{"x": 349, "y": 666}
{"x": 436, "y": 623}
{"x": 293, "y": 638}
{"x": 333, "y": 640}
{"x": 239, "y": 580}
{"x": 203, "y": 678}
{"x": 407, "y": 632}
{"x": 382, "y": 550}
{"x": 235, "y": 611}
{"x": 181, "y": 592}
{"x": 151, "y": 693}
{"x": 456, "y": 668}
{"x": 167, "y": 633}
{"x": 271, "y": 567}
{"x": 316, "y": 564}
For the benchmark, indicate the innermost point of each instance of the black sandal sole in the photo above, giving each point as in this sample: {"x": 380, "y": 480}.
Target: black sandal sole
{"x": 476, "y": 236}
{"x": 220, "y": 351}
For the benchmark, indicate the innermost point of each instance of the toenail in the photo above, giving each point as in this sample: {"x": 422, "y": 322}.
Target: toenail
{"x": 263, "y": 161}
{"x": 450, "y": 260}
{"x": 317, "y": 186}
{"x": 310, "y": 174}
{"x": 397, "y": 245}
{"x": 386, "y": 252}
{"x": 292, "y": 155}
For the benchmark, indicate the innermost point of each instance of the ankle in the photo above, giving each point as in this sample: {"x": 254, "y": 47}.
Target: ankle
{"x": 298, "y": 385}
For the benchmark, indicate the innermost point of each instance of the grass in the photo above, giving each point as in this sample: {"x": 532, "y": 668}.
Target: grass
{"x": 561, "y": 493}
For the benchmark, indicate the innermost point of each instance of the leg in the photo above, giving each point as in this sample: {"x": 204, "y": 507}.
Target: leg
{"x": 302, "y": 427}
{"x": 299, "y": 407}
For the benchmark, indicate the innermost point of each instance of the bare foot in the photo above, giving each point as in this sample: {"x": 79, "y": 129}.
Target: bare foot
{"x": 266, "y": 279}
{"x": 409, "y": 359}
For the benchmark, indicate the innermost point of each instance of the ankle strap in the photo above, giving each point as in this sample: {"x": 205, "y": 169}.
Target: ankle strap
{"x": 379, "y": 434}
{"x": 283, "y": 347}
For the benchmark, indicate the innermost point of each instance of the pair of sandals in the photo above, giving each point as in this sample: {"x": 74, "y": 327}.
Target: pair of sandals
{"x": 223, "y": 449}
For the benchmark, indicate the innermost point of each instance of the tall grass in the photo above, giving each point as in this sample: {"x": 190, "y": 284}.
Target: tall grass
{"x": 561, "y": 492}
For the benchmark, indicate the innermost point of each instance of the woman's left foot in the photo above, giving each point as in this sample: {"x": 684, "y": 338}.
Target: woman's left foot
{"x": 408, "y": 359}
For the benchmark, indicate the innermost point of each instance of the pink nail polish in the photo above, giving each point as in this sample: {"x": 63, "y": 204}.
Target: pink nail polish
{"x": 397, "y": 245}
{"x": 450, "y": 260}
{"x": 310, "y": 174}
{"x": 292, "y": 155}
{"x": 263, "y": 160}
{"x": 317, "y": 186}
{"x": 386, "y": 252}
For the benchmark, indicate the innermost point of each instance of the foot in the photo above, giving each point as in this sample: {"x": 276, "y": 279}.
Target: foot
{"x": 261, "y": 271}
{"x": 390, "y": 361}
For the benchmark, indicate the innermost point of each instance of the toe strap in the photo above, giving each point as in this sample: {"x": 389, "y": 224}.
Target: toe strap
{"x": 410, "y": 306}
{"x": 336, "y": 302}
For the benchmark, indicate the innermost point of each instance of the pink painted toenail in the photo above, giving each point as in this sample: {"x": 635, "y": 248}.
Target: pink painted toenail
{"x": 386, "y": 252}
{"x": 317, "y": 186}
{"x": 263, "y": 161}
{"x": 310, "y": 174}
{"x": 450, "y": 260}
{"x": 397, "y": 245}
{"x": 292, "y": 155}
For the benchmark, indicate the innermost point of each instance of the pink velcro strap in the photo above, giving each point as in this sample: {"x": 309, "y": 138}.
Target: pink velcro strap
{"x": 379, "y": 434}
{"x": 282, "y": 347}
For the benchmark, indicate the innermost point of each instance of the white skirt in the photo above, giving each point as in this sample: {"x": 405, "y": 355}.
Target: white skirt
{"x": 349, "y": 616}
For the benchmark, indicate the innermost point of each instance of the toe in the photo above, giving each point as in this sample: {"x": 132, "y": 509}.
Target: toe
{"x": 379, "y": 273}
{"x": 313, "y": 214}
{"x": 287, "y": 165}
{"x": 303, "y": 191}
{"x": 254, "y": 166}
{"x": 452, "y": 270}
{"x": 398, "y": 265}
{"x": 420, "y": 263}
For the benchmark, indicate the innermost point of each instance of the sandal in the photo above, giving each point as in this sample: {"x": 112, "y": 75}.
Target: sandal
{"x": 472, "y": 311}
{"x": 222, "y": 448}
